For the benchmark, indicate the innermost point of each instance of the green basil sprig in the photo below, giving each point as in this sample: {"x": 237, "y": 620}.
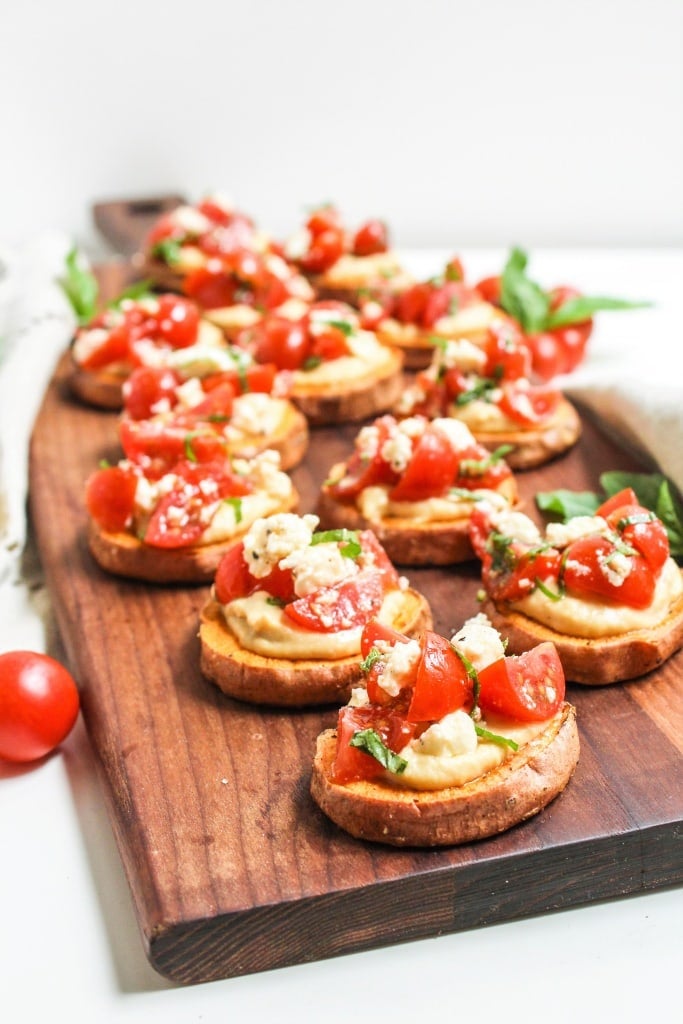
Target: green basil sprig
{"x": 80, "y": 287}
{"x": 371, "y": 743}
{"x": 351, "y": 547}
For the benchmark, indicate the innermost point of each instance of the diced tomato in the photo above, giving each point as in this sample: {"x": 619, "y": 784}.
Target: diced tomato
{"x": 411, "y": 303}
{"x": 145, "y": 388}
{"x": 324, "y": 251}
{"x": 507, "y": 355}
{"x": 329, "y": 344}
{"x": 642, "y": 530}
{"x": 158, "y": 445}
{"x": 215, "y": 408}
{"x": 110, "y": 497}
{"x": 211, "y": 286}
{"x": 362, "y": 472}
{"x": 177, "y": 321}
{"x": 548, "y": 358}
{"x": 593, "y": 566}
{"x": 324, "y": 218}
{"x": 285, "y": 343}
{"x": 490, "y": 288}
{"x": 374, "y": 633}
{"x": 345, "y": 605}
{"x": 214, "y": 211}
{"x": 114, "y": 349}
{"x": 177, "y": 519}
{"x": 233, "y": 579}
{"x": 352, "y": 763}
{"x": 370, "y": 238}
{"x": 446, "y": 300}
{"x": 431, "y": 469}
{"x": 627, "y": 496}
{"x": 528, "y": 688}
{"x": 442, "y": 684}
{"x": 529, "y": 405}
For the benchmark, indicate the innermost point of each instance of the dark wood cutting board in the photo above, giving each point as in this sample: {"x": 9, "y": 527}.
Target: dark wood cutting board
{"x": 232, "y": 867}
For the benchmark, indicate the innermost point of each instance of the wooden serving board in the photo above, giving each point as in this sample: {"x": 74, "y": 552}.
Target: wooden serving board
{"x": 232, "y": 867}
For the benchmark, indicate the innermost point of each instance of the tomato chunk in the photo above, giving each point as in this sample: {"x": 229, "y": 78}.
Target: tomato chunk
{"x": 527, "y": 688}
{"x": 110, "y": 497}
{"x": 442, "y": 684}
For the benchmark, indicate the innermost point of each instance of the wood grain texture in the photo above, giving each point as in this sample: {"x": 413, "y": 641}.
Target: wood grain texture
{"x": 232, "y": 867}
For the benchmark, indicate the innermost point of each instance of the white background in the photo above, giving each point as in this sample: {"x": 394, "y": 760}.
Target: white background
{"x": 465, "y": 125}
{"x": 462, "y": 123}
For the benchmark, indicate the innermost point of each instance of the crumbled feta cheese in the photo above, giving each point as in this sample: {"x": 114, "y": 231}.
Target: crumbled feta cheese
{"x": 189, "y": 220}
{"x": 255, "y": 413}
{"x": 399, "y": 667}
{"x": 479, "y": 641}
{"x": 457, "y": 432}
{"x": 298, "y": 244}
{"x": 453, "y": 735}
{"x": 88, "y": 342}
{"x": 615, "y": 567}
{"x": 320, "y": 565}
{"x": 190, "y": 392}
{"x": 367, "y": 442}
{"x": 397, "y": 450}
{"x": 562, "y": 534}
{"x": 461, "y": 354}
{"x": 517, "y": 525}
{"x": 271, "y": 539}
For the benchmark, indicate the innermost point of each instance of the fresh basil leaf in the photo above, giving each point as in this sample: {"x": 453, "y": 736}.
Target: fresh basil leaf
{"x": 371, "y": 743}
{"x": 236, "y": 504}
{"x": 80, "y": 287}
{"x": 312, "y": 363}
{"x": 190, "y": 454}
{"x": 168, "y": 250}
{"x": 582, "y": 307}
{"x": 669, "y": 508}
{"x": 568, "y": 504}
{"x": 493, "y": 737}
{"x": 341, "y": 325}
{"x": 348, "y": 538}
{"x": 471, "y": 672}
{"x": 551, "y": 594}
{"x": 521, "y": 297}
{"x": 646, "y": 485}
{"x": 477, "y": 467}
{"x": 372, "y": 656}
{"x": 277, "y": 602}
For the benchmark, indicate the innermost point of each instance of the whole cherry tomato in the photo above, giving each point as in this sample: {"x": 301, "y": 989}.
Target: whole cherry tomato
{"x": 39, "y": 704}
{"x": 371, "y": 238}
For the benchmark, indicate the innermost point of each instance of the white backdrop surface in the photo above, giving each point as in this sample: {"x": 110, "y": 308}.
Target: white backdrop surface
{"x": 462, "y": 123}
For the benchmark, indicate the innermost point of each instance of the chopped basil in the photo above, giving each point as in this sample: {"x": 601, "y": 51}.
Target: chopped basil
{"x": 80, "y": 287}
{"x": 104, "y": 464}
{"x": 477, "y": 467}
{"x": 236, "y": 504}
{"x": 493, "y": 737}
{"x": 568, "y": 504}
{"x": 481, "y": 389}
{"x": 190, "y": 453}
{"x": 453, "y": 306}
{"x": 371, "y": 743}
{"x": 341, "y": 325}
{"x": 635, "y": 520}
{"x": 312, "y": 363}
{"x": 548, "y": 592}
{"x": 242, "y": 360}
{"x": 136, "y": 291}
{"x": 502, "y": 556}
{"x": 471, "y": 672}
{"x": 348, "y": 538}
{"x": 372, "y": 656}
{"x": 277, "y": 602}
{"x": 168, "y": 250}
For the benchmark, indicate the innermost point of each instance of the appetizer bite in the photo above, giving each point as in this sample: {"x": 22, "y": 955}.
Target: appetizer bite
{"x": 415, "y": 483}
{"x": 556, "y": 322}
{"x": 288, "y": 605}
{"x": 602, "y": 588}
{"x": 230, "y": 413}
{"x": 343, "y": 264}
{"x": 486, "y": 386}
{"x": 172, "y": 523}
{"x": 136, "y": 330}
{"x": 446, "y": 742}
{"x": 237, "y": 289}
{"x": 414, "y": 318}
{"x": 337, "y": 372}
{"x": 192, "y": 234}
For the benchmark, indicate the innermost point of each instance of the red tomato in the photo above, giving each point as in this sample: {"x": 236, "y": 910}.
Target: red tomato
{"x": 489, "y": 289}
{"x": 212, "y": 287}
{"x": 214, "y": 212}
{"x": 177, "y": 321}
{"x": 520, "y": 579}
{"x": 362, "y": 472}
{"x": 354, "y": 601}
{"x": 324, "y": 218}
{"x": 375, "y": 632}
{"x": 528, "y": 688}
{"x": 114, "y": 349}
{"x": 508, "y": 357}
{"x": 233, "y": 579}
{"x": 145, "y": 388}
{"x": 285, "y": 343}
{"x": 573, "y": 339}
{"x": 177, "y": 519}
{"x": 528, "y": 405}
{"x": 215, "y": 409}
{"x": 110, "y": 497}
{"x": 350, "y": 762}
{"x": 39, "y": 705}
{"x": 324, "y": 251}
{"x": 548, "y": 358}
{"x": 411, "y": 304}
{"x": 627, "y": 496}
{"x": 442, "y": 684}
{"x": 446, "y": 300}
{"x": 330, "y": 344}
{"x": 431, "y": 470}
{"x": 587, "y": 571}
{"x": 371, "y": 238}
{"x": 158, "y": 445}
{"x": 640, "y": 529}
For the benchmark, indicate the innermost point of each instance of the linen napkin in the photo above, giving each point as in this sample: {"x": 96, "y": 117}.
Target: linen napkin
{"x": 36, "y": 324}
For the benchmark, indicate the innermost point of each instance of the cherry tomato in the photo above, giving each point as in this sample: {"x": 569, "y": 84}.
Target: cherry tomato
{"x": 324, "y": 218}
{"x": 352, "y": 763}
{"x": 324, "y": 251}
{"x": 528, "y": 405}
{"x": 627, "y": 496}
{"x": 330, "y": 344}
{"x": 528, "y": 688}
{"x": 431, "y": 469}
{"x": 177, "y": 519}
{"x": 233, "y": 579}
{"x": 508, "y": 357}
{"x": 214, "y": 212}
{"x": 442, "y": 684}
{"x": 344, "y": 605}
{"x": 446, "y": 300}
{"x": 548, "y": 358}
{"x": 39, "y": 704}
{"x": 592, "y": 566}
{"x": 211, "y": 286}
{"x": 285, "y": 343}
{"x": 177, "y": 321}
{"x": 110, "y": 497}
{"x": 215, "y": 409}
{"x": 374, "y": 633}
{"x": 146, "y": 388}
{"x": 371, "y": 238}
{"x": 411, "y": 303}
{"x": 362, "y": 472}
{"x": 490, "y": 289}
{"x": 114, "y": 349}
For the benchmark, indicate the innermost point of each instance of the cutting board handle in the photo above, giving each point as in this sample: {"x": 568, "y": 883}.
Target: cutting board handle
{"x": 125, "y": 222}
